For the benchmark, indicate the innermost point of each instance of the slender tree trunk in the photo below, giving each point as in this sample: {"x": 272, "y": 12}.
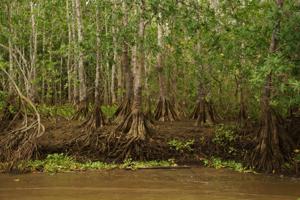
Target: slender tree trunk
{"x": 165, "y": 110}
{"x": 203, "y": 111}
{"x": 33, "y": 55}
{"x": 125, "y": 107}
{"x": 125, "y": 59}
{"x": 96, "y": 118}
{"x": 99, "y": 119}
{"x": 162, "y": 86}
{"x": 81, "y": 71}
{"x": 74, "y": 58}
{"x": 115, "y": 62}
{"x": 10, "y": 46}
{"x": 113, "y": 67}
{"x": 69, "y": 67}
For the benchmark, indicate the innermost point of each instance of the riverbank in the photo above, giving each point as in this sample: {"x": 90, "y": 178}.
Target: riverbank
{"x": 180, "y": 143}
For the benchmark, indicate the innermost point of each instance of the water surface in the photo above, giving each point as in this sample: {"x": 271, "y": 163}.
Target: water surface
{"x": 180, "y": 184}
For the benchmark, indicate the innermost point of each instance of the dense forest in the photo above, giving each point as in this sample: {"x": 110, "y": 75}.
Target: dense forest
{"x": 118, "y": 70}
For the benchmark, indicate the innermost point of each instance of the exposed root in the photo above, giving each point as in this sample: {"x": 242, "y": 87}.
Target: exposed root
{"x": 203, "y": 113}
{"x": 91, "y": 139}
{"x": 165, "y": 111}
{"x": 19, "y": 143}
{"x": 131, "y": 138}
{"x": 273, "y": 146}
{"x": 94, "y": 120}
{"x": 123, "y": 110}
{"x": 242, "y": 117}
{"x": 82, "y": 111}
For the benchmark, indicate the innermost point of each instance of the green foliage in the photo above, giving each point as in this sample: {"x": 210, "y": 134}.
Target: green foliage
{"x": 225, "y": 136}
{"x": 66, "y": 111}
{"x": 54, "y": 163}
{"x": 218, "y": 164}
{"x": 108, "y": 111}
{"x": 130, "y": 164}
{"x": 297, "y": 155}
{"x": 62, "y": 163}
{"x": 3, "y": 96}
{"x": 181, "y": 146}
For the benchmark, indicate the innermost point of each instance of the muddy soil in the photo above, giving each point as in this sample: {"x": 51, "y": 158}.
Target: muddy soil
{"x": 60, "y": 131}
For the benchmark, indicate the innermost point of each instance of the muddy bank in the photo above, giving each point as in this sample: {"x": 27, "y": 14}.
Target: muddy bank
{"x": 180, "y": 140}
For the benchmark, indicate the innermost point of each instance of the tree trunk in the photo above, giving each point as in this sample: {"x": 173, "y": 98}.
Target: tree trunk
{"x": 125, "y": 107}
{"x": 203, "y": 111}
{"x": 136, "y": 128}
{"x": 33, "y": 55}
{"x": 96, "y": 118}
{"x": 10, "y": 89}
{"x": 165, "y": 110}
{"x": 273, "y": 144}
{"x": 82, "y": 110}
{"x": 74, "y": 63}
{"x": 69, "y": 67}
{"x": 114, "y": 65}
{"x": 81, "y": 71}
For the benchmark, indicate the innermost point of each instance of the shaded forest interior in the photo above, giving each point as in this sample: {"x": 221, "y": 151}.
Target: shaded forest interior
{"x": 114, "y": 80}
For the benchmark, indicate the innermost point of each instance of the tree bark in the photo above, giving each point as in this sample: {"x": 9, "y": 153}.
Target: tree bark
{"x": 10, "y": 46}
{"x": 125, "y": 107}
{"x": 81, "y": 71}
{"x": 74, "y": 61}
{"x": 69, "y": 67}
{"x": 33, "y": 55}
{"x": 165, "y": 110}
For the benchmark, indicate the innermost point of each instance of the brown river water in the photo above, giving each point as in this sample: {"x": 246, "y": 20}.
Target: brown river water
{"x": 156, "y": 184}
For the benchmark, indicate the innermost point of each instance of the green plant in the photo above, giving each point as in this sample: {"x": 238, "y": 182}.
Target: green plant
{"x": 3, "y": 96}
{"x": 218, "y": 164}
{"x": 181, "y": 146}
{"x": 130, "y": 164}
{"x": 66, "y": 111}
{"x": 108, "y": 111}
{"x": 297, "y": 156}
{"x": 54, "y": 163}
{"x": 225, "y": 136}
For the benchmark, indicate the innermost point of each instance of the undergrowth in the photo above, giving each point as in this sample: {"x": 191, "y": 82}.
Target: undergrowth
{"x": 217, "y": 163}
{"x": 67, "y": 110}
{"x": 108, "y": 111}
{"x": 225, "y": 137}
{"x": 54, "y": 163}
{"x": 181, "y": 146}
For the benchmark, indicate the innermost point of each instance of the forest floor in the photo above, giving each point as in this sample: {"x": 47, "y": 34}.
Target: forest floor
{"x": 181, "y": 139}
{"x": 222, "y": 145}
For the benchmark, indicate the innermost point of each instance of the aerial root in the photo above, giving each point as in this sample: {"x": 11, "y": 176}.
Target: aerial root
{"x": 19, "y": 143}
{"x": 274, "y": 146}
{"x": 122, "y": 111}
{"x": 92, "y": 136}
{"x": 165, "y": 111}
{"x": 82, "y": 111}
{"x": 203, "y": 113}
{"x": 131, "y": 138}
